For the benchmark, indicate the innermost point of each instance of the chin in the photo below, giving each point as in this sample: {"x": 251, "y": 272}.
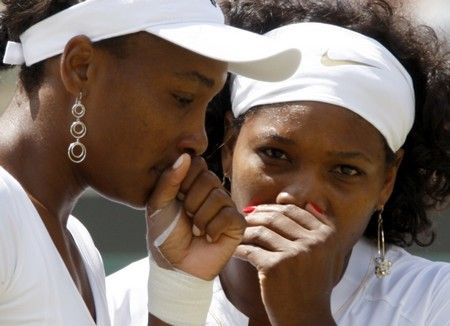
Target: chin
{"x": 135, "y": 200}
{"x": 133, "y": 192}
{"x": 139, "y": 205}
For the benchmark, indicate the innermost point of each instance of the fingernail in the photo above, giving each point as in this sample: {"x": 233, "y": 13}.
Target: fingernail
{"x": 178, "y": 162}
{"x": 196, "y": 231}
{"x": 209, "y": 239}
{"x": 316, "y": 208}
{"x": 249, "y": 209}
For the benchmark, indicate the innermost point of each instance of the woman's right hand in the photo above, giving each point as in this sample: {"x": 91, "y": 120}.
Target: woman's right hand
{"x": 299, "y": 261}
{"x": 208, "y": 228}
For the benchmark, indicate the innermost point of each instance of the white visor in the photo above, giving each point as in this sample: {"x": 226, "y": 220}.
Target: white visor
{"x": 196, "y": 25}
{"x": 343, "y": 68}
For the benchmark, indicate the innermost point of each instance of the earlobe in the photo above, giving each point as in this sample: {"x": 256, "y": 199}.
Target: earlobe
{"x": 75, "y": 63}
{"x": 399, "y": 158}
{"x": 391, "y": 176}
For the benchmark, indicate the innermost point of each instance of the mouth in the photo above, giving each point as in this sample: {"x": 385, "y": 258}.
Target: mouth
{"x": 155, "y": 173}
{"x": 157, "y": 170}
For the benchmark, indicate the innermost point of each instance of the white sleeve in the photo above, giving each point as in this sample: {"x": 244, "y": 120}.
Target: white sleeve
{"x": 8, "y": 247}
{"x": 439, "y": 312}
{"x": 126, "y": 292}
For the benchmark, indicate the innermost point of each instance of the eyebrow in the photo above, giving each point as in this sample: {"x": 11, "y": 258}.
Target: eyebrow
{"x": 279, "y": 139}
{"x": 350, "y": 155}
{"x": 343, "y": 155}
{"x": 195, "y": 76}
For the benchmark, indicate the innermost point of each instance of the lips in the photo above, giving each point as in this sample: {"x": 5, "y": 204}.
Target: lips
{"x": 159, "y": 167}
{"x": 154, "y": 175}
{"x": 157, "y": 170}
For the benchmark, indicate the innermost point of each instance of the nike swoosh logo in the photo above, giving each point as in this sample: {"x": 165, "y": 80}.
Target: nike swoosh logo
{"x": 328, "y": 62}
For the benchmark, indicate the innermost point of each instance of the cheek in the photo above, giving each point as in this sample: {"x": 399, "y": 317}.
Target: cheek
{"x": 128, "y": 139}
{"x": 352, "y": 215}
{"x": 350, "y": 205}
{"x": 250, "y": 185}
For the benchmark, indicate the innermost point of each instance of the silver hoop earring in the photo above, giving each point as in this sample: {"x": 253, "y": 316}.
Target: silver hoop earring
{"x": 224, "y": 180}
{"x": 382, "y": 265}
{"x": 77, "y": 151}
{"x": 226, "y": 183}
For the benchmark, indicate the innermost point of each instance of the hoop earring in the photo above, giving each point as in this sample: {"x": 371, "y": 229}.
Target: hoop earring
{"x": 77, "y": 151}
{"x": 382, "y": 265}
{"x": 224, "y": 179}
{"x": 226, "y": 183}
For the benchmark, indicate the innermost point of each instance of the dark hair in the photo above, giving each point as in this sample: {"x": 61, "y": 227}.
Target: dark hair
{"x": 18, "y": 16}
{"x": 423, "y": 178}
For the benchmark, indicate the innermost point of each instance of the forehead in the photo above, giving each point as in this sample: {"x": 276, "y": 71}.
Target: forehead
{"x": 333, "y": 125}
{"x": 150, "y": 51}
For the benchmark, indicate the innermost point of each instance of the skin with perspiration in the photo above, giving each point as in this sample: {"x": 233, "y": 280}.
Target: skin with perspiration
{"x": 143, "y": 111}
{"x": 316, "y": 172}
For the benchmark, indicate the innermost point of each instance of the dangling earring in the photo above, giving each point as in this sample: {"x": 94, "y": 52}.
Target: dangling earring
{"x": 77, "y": 151}
{"x": 226, "y": 183}
{"x": 382, "y": 265}
{"x": 224, "y": 179}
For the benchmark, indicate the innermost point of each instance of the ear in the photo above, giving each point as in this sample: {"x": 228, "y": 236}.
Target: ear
{"x": 75, "y": 63}
{"x": 390, "y": 177}
{"x": 228, "y": 146}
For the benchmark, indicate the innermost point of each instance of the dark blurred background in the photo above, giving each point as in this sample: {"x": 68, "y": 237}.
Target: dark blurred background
{"x": 119, "y": 231}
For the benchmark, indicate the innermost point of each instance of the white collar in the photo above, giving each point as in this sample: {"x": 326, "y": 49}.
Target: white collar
{"x": 359, "y": 271}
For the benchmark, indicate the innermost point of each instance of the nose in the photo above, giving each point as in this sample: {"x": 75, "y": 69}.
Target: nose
{"x": 195, "y": 140}
{"x": 300, "y": 190}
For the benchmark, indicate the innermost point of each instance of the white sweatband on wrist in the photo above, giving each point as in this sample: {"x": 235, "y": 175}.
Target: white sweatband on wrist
{"x": 178, "y": 298}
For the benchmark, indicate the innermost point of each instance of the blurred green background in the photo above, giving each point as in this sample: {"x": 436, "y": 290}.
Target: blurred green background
{"x": 119, "y": 231}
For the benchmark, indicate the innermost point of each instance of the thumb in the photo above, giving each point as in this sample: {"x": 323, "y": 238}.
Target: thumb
{"x": 169, "y": 183}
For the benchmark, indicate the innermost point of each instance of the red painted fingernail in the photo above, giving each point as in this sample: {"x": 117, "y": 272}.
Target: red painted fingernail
{"x": 249, "y": 209}
{"x": 317, "y": 208}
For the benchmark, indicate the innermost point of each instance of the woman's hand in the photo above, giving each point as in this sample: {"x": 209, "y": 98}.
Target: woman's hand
{"x": 203, "y": 224}
{"x": 299, "y": 261}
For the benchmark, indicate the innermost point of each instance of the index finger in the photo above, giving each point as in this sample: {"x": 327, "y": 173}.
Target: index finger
{"x": 295, "y": 213}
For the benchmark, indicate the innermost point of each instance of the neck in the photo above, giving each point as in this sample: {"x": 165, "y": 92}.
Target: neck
{"x": 32, "y": 149}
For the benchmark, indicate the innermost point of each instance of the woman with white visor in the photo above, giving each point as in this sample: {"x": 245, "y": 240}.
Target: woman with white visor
{"x": 112, "y": 95}
{"x": 335, "y": 168}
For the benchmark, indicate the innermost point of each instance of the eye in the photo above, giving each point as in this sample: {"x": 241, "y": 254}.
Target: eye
{"x": 274, "y": 153}
{"x": 347, "y": 170}
{"x": 183, "y": 100}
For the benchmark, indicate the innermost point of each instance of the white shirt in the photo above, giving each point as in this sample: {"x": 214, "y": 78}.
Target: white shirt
{"x": 35, "y": 286}
{"x": 417, "y": 292}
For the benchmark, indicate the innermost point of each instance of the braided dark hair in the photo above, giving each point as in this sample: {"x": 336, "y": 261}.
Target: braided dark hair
{"x": 423, "y": 178}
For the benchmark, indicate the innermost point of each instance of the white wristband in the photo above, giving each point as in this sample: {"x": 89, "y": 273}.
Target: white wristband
{"x": 178, "y": 298}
